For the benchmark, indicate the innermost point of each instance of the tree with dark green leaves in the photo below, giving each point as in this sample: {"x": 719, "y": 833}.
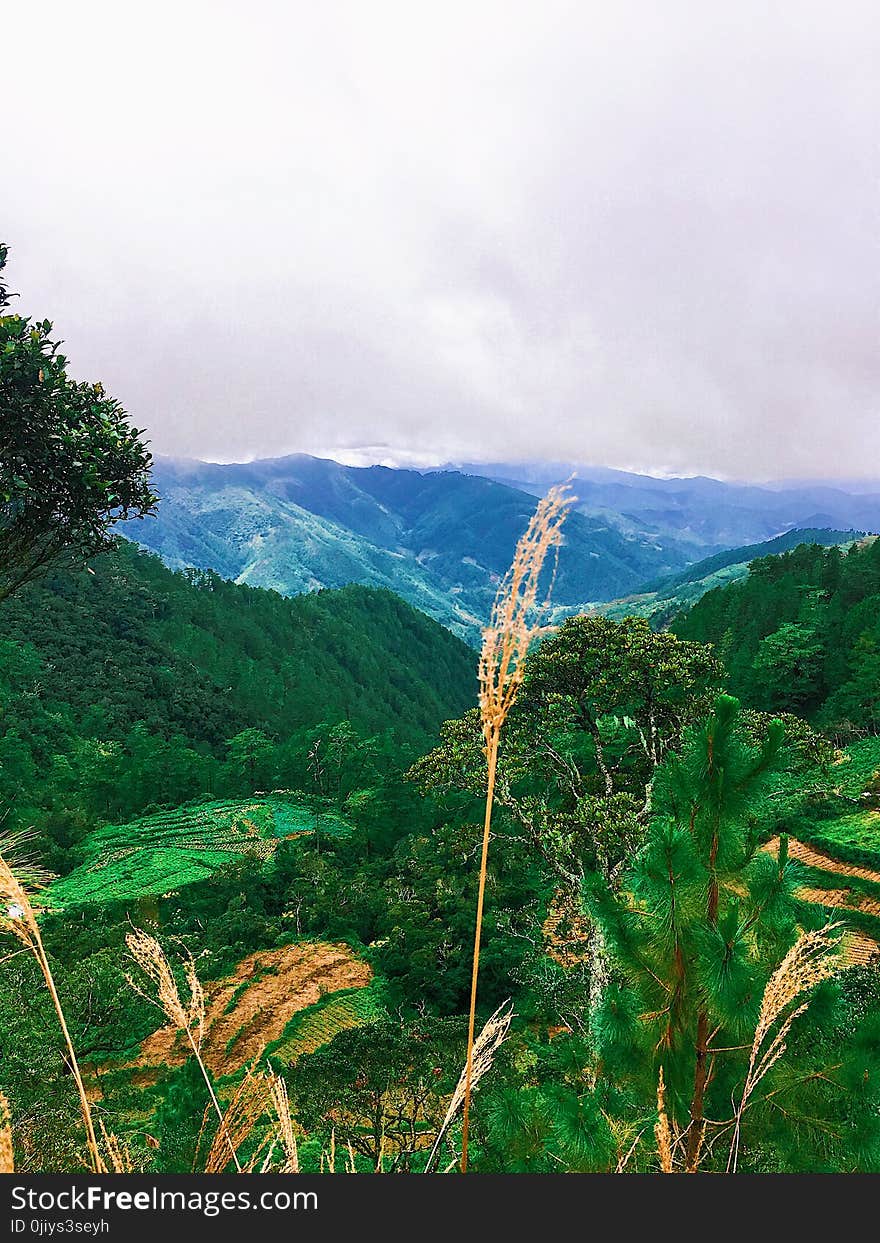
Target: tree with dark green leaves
{"x": 71, "y": 465}
{"x": 382, "y": 1089}
{"x": 250, "y": 758}
{"x": 602, "y": 703}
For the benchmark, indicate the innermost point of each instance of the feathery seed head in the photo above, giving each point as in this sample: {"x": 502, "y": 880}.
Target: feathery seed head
{"x": 516, "y": 613}
{"x": 150, "y": 957}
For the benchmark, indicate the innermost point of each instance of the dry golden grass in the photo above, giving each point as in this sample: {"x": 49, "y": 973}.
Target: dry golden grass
{"x": 188, "y": 1017}
{"x": 814, "y": 957}
{"x": 516, "y": 620}
{"x": 120, "y": 1158}
{"x": 17, "y": 917}
{"x": 285, "y": 1135}
{"x": 7, "y": 1160}
{"x": 663, "y": 1130}
{"x": 328, "y": 1159}
{"x": 485, "y": 1047}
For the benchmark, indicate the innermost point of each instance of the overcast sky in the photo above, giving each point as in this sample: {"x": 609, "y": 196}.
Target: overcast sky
{"x": 635, "y": 234}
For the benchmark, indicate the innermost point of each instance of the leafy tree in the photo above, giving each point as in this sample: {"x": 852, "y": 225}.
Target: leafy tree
{"x": 602, "y": 704}
{"x": 382, "y": 1088}
{"x": 788, "y": 667}
{"x": 250, "y": 761}
{"x": 180, "y": 1120}
{"x": 696, "y": 931}
{"x": 70, "y": 464}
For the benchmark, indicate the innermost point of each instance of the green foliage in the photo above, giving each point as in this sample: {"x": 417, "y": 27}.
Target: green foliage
{"x": 381, "y": 1088}
{"x": 661, "y": 601}
{"x": 70, "y": 464}
{"x": 317, "y": 1025}
{"x": 166, "y": 851}
{"x": 601, "y": 705}
{"x": 134, "y": 686}
{"x": 801, "y": 633}
{"x": 702, "y": 921}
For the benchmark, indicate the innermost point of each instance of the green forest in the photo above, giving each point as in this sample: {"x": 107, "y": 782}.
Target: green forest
{"x": 246, "y": 841}
{"x": 802, "y": 634}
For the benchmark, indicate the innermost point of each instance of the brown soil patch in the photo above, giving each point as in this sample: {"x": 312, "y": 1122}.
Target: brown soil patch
{"x": 859, "y": 949}
{"x": 277, "y": 983}
{"x": 844, "y": 898}
{"x": 825, "y": 863}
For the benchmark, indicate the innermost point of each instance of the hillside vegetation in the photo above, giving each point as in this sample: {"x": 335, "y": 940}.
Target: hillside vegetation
{"x": 158, "y": 854}
{"x": 662, "y": 600}
{"x": 697, "y": 513}
{"x": 133, "y": 686}
{"x": 656, "y": 852}
{"x": 802, "y": 634}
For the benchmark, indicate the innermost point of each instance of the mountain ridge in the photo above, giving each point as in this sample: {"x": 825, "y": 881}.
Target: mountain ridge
{"x": 440, "y": 539}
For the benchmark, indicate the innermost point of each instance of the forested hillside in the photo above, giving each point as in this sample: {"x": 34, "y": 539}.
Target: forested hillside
{"x": 801, "y": 633}
{"x": 133, "y": 685}
{"x": 663, "y": 600}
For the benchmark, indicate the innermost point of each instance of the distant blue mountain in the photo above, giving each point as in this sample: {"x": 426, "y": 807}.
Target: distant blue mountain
{"x": 440, "y": 539}
{"x": 697, "y": 514}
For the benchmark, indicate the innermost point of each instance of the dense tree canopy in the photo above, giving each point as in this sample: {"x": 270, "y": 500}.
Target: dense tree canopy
{"x": 602, "y": 704}
{"x": 134, "y": 686}
{"x": 71, "y": 465}
{"x": 801, "y": 634}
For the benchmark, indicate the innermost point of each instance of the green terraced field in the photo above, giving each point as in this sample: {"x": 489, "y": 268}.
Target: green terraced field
{"x": 861, "y": 829}
{"x": 856, "y": 772}
{"x": 317, "y": 1025}
{"x": 160, "y": 853}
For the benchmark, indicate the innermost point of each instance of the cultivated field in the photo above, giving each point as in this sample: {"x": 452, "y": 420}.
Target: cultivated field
{"x": 158, "y": 854}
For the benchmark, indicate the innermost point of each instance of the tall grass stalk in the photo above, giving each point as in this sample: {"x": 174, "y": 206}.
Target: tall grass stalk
{"x": 17, "y": 916}
{"x": 814, "y": 957}
{"x": 486, "y": 1046}
{"x": 286, "y": 1135}
{"x": 506, "y": 640}
{"x": 663, "y": 1131}
{"x": 190, "y": 1018}
{"x": 251, "y": 1100}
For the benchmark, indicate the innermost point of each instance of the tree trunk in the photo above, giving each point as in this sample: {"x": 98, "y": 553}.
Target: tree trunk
{"x": 701, "y": 1070}
{"x": 701, "y": 1078}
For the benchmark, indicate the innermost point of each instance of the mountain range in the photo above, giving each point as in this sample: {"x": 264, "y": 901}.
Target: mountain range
{"x": 700, "y": 514}
{"x": 443, "y": 538}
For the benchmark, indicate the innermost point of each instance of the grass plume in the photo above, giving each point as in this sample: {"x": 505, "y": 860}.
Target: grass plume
{"x": 514, "y": 623}
{"x": 285, "y": 1133}
{"x": 186, "y": 1017}
{"x": 486, "y": 1046}
{"x": 17, "y": 917}
{"x": 814, "y": 957}
{"x": 251, "y": 1099}
{"x": 120, "y": 1158}
{"x": 663, "y": 1129}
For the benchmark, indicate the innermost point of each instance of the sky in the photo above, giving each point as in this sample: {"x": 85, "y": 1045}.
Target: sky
{"x": 637, "y": 234}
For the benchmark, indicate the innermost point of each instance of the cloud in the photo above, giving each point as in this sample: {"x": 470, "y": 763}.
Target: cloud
{"x": 644, "y": 235}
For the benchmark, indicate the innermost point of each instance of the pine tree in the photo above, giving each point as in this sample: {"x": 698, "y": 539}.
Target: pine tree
{"x": 702, "y": 922}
